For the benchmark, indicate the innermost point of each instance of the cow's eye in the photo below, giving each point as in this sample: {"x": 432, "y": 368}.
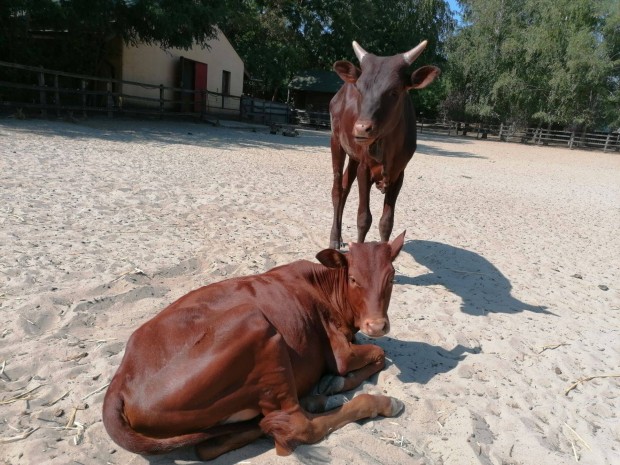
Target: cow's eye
{"x": 352, "y": 280}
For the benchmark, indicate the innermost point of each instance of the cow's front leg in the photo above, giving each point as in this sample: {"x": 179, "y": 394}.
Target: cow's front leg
{"x": 354, "y": 367}
{"x": 290, "y": 424}
{"x": 338, "y": 158}
{"x": 364, "y": 217}
{"x": 389, "y": 203}
{"x": 295, "y": 426}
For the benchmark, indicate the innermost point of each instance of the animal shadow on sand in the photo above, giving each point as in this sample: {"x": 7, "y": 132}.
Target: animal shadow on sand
{"x": 419, "y": 362}
{"x": 481, "y": 286}
{"x": 482, "y": 289}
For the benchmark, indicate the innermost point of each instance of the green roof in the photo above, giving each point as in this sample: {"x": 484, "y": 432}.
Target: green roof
{"x": 316, "y": 81}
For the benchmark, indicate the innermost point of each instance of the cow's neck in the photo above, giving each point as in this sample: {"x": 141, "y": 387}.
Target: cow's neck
{"x": 332, "y": 284}
{"x": 375, "y": 151}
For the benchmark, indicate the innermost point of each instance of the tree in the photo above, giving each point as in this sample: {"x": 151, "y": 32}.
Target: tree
{"x": 536, "y": 61}
{"x": 72, "y": 34}
{"x": 264, "y": 38}
{"x": 313, "y": 34}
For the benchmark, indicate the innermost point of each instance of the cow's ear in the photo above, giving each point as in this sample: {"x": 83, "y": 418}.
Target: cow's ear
{"x": 423, "y": 76}
{"x": 332, "y": 258}
{"x": 347, "y": 71}
{"x": 397, "y": 244}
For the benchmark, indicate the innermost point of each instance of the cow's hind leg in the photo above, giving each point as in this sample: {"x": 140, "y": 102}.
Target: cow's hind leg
{"x": 215, "y": 447}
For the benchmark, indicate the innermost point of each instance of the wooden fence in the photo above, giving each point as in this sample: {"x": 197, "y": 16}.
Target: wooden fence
{"x": 265, "y": 111}
{"x": 316, "y": 119}
{"x": 50, "y": 92}
{"x": 607, "y": 141}
{"x": 55, "y": 92}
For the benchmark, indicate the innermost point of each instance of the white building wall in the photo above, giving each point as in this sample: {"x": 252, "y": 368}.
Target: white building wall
{"x": 152, "y": 65}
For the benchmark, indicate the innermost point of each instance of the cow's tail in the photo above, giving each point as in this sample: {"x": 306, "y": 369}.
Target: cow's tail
{"x": 125, "y": 436}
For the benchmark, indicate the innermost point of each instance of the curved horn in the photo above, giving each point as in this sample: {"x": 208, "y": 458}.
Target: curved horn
{"x": 414, "y": 53}
{"x": 359, "y": 51}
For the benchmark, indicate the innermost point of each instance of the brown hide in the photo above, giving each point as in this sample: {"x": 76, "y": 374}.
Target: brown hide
{"x": 373, "y": 122}
{"x": 229, "y": 362}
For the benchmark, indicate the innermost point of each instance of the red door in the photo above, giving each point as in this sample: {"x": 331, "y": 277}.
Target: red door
{"x": 200, "y": 84}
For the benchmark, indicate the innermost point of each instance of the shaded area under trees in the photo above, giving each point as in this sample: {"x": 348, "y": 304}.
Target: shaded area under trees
{"x": 547, "y": 63}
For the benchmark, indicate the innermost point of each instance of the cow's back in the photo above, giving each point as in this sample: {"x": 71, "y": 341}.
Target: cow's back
{"x": 219, "y": 318}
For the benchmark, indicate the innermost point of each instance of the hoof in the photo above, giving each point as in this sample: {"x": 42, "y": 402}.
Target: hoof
{"x": 396, "y": 407}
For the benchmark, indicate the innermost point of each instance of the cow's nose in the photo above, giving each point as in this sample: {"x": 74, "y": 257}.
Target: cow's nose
{"x": 362, "y": 128}
{"x": 376, "y": 328}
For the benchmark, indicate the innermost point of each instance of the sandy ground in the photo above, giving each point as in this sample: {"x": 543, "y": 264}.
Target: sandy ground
{"x": 508, "y": 286}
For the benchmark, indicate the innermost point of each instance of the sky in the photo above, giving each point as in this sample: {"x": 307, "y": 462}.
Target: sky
{"x": 454, "y": 6}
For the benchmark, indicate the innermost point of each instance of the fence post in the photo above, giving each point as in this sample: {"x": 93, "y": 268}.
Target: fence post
{"x": 607, "y": 141}
{"x": 582, "y": 142}
{"x": 421, "y": 125}
{"x": 110, "y": 100}
{"x": 56, "y": 95}
{"x": 571, "y": 140}
{"x": 501, "y": 130}
{"x": 42, "y": 96}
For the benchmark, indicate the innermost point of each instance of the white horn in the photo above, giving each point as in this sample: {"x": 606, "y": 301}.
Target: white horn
{"x": 414, "y": 53}
{"x": 359, "y": 51}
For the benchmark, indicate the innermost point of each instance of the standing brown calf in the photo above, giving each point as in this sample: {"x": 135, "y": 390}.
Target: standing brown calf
{"x": 374, "y": 123}
{"x": 229, "y": 362}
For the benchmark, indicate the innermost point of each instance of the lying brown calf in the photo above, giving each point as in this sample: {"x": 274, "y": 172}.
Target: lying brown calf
{"x": 229, "y": 362}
